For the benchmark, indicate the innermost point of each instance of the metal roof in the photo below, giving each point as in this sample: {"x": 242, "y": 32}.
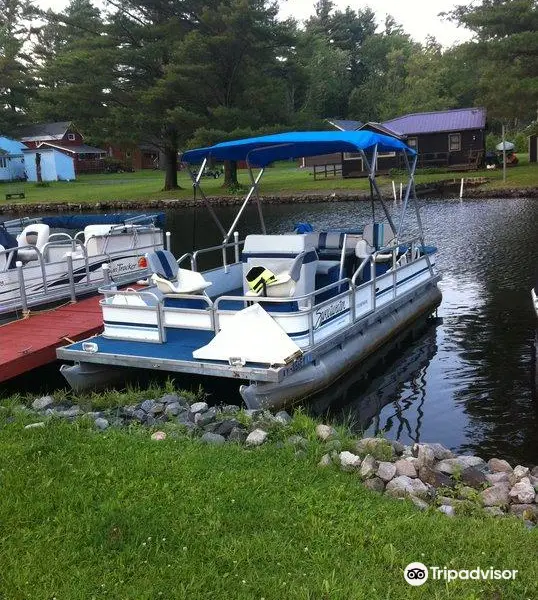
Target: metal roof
{"x": 283, "y": 146}
{"x": 344, "y": 124}
{"x": 82, "y": 149}
{"x": 44, "y": 131}
{"x": 11, "y": 147}
{"x": 442, "y": 120}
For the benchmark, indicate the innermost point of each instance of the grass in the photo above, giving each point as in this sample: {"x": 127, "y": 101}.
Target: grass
{"x": 87, "y": 515}
{"x": 284, "y": 178}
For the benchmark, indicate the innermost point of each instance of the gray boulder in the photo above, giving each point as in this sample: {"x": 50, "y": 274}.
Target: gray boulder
{"x": 368, "y": 466}
{"x": 225, "y": 427}
{"x": 172, "y": 409}
{"x": 435, "y": 478}
{"x": 425, "y": 456}
{"x": 229, "y": 409}
{"x": 325, "y": 461}
{"x": 283, "y": 417}
{"x": 198, "y": 407}
{"x": 380, "y": 448}
{"x": 498, "y": 477}
{"x": 238, "y": 435}
{"x": 403, "y": 486}
{"x": 213, "y": 439}
{"x": 497, "y": 465}
{"x": 256, "y": 437}
{"x": 147, "y": 405}
{"x": 101, "y": 424}
{"x": 349, "y": 461}
{"x": 447, "y": 510}
{"x": 419, "y": 502}
{"x": 386, "y": 471}
{"x": 42, "y": 403}
{"x": 440, "y": 452}
{"x": 405, "y": 467}
{"x": 498, "y": 495}
{"x": 298, "y": 441}
{"x": 527, "y": 511}
{"x": 473, "y": 477}
{"x": 494, "y": 511}
{"x": 522, "y": 492}
{"x": 157, "y": 408}
{"x": 518, "y": 474}
{"x": 452, "y": 465}
{"x": 204, "y": 418}
{"x": 325, "y": 432}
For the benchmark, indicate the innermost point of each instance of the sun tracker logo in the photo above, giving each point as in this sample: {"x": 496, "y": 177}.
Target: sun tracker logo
{"x": 416, "y": 573}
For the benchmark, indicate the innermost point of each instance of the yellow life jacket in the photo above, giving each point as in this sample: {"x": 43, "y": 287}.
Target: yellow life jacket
{"x": 259, "y": 277}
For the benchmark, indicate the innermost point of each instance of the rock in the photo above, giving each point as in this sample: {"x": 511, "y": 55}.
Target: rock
{"x": 494, "y": 511}
{"x": 398, "y": 447}
{"x": 238, "y": 435}
{"x": 204, "y": 418}
{"x": 419, "y": 503}
{"x": 283, "y": 417}
{"x": 497, "y": 465}
{"x": 405, "y": 467}
{"x": 325, "y": 432}
{"x": 376, "y": 484}
{"x": 101, "y": 424}
{"x": 157, "y": 408}
{"x": 527, "y": 511}
{"x": 473, "y": 477}
{"x": 378, "y": 447}
{"x": 440, "y": 452}
{"x": 498, "y": 477}
{"x": 368, "y": 466}
{"x": 42, "y": 403}
{"x": 518, "y": 473}
{"x": 150, "y": 421}
{"x": 213, "y": 439}
{"x": 458, "y": 464}
{"x": 435, "y": 478}
{"x": 496, "y": 495}
{"x": 93, "y": 414}
{"x": 128, "y": 411}
{"x": 523, "y": 492}
{"x": 447, "y": 510}
{"x": 147, "y": 405}
{"x": 425, "y": 456}
{"x": 349, "y": 461}
{"x": 297, "y": 440}
{"x": 119, "y": 422}
{"x": 140, "y": 415}
{"x": 403, "y": 486}
{"x": 174, "y": 399}
{"x": 256, "y": 437}
{"x": 448, "y": 501}
{"x": 386, "y": 471}
{"x": 225, "y": 427}
{"x": 198, "y": 407}
{"x": 325, "y": 461}
{"x": 35, "y": 425}
{"x": 158, "y": 436}
{"x": 534, "y": 471}
{"x": 173, "y": 409}
{"x": 335, "y": 445}
{"x": 253, "y": 413}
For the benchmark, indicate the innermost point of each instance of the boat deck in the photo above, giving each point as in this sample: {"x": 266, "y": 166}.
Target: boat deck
{"x": 32, "y": 342}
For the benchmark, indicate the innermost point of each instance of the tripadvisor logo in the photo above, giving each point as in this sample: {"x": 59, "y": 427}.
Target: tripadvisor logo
{"x": 416, "y": 573}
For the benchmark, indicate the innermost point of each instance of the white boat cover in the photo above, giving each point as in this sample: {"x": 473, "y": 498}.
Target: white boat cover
{"x": 250, "y": 336}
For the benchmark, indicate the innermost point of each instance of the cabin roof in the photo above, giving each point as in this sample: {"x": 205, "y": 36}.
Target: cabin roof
{"x": 439, "y": 121}
{"x": 44, "y": 131}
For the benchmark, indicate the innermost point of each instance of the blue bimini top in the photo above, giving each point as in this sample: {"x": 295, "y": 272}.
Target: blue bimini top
{"x": 283, "y": 146}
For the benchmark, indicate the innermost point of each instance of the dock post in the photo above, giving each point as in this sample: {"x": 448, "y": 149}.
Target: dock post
{"x": 394, "y": 190}
{"x": 168, "y": 241}
{"x": 106, "y": 273}
{"x": 236, "y": 245}
{"x": 69, "y": 257}
{"x": 401, "y": 190}
{"x": 461, "y": 189}
{"x": 22, "y": 289}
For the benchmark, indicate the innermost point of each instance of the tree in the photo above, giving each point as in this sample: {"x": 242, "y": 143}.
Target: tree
{"x": 16, "y": 77}
{"x": 506, "y": 54}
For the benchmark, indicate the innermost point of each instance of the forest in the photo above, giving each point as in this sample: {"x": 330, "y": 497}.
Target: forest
{"x": 182, "y": 73}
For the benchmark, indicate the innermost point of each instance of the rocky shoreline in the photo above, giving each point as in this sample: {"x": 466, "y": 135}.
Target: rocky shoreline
{"x": 428, "y": 474}
{"x": 438, "y": 188}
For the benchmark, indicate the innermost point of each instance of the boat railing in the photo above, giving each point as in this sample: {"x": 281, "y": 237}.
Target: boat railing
{"x": 184, "y": 257}
{"x": 236, "y": 245}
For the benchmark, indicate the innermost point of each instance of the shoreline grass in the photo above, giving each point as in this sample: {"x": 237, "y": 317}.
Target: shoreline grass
{"x": 87, "y": 515}
{"x": 283, "y": 179}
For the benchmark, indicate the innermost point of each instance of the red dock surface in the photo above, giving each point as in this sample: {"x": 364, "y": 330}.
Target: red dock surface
{"x": 32, "y": 342}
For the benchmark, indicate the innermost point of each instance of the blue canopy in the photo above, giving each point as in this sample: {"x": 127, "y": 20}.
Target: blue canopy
{"x": 283, "y": 146}
{"x": 81, "y": 221}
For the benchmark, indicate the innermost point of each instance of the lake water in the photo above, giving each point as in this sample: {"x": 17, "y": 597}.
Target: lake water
{"x": 466, "y": 379}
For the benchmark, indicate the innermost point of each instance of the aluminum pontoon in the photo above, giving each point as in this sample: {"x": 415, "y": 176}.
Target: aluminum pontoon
{"x": 42, "y": 264}
{"x": 289, "y": 313}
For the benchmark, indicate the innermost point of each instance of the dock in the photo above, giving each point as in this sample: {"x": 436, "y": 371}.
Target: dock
{"x": 31, "y": 342}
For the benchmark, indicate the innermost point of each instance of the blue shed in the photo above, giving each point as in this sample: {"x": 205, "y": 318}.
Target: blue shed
{"x": 11, "y": 160}
{"x": 55, "y": 165}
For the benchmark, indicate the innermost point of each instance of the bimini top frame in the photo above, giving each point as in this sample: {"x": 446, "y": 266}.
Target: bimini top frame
{"x": 261, "y": 151}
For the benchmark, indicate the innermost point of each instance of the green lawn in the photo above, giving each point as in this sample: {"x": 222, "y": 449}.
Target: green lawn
{"x": 87, "y": 515}
{"x": 283, "y": 178}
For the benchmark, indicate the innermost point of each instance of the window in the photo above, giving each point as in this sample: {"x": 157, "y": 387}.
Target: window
{"x": 412, "y": 142}
{"x": 454, "y": 142}
{"x": 71, "y": 137}
{"x": 3, "y": 162}
{"x": 352, "y": 155}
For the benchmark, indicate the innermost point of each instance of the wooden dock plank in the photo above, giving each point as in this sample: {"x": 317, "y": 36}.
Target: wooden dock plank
{"x": 29, "y": 343}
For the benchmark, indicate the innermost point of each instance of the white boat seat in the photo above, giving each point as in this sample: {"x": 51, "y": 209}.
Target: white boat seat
{"x": 378, "y": 235}
{"x": 324, "y": 266}
{"x": 36, "y": 235}
{"x": 170, "y": 279}
{"x": 263, "y": 282}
